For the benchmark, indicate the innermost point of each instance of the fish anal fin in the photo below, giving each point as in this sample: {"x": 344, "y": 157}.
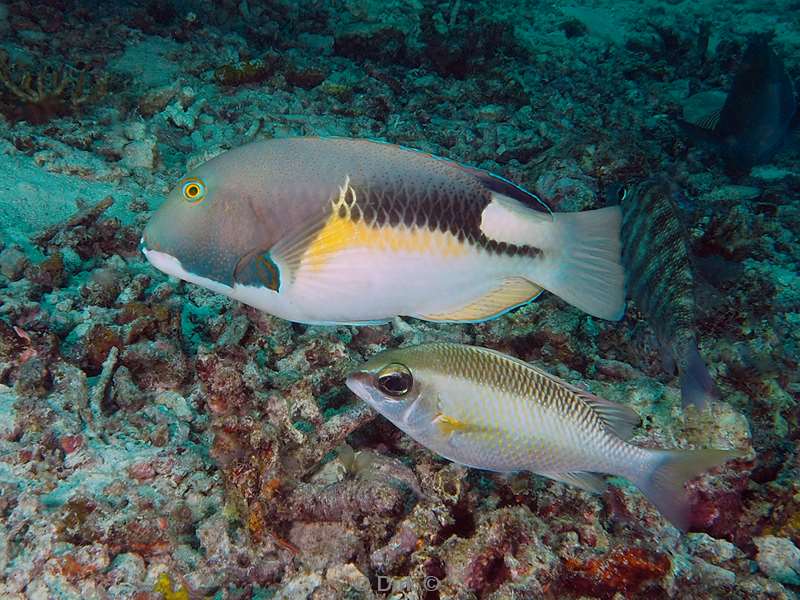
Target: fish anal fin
{"x": 618, "y": 418}
{"x": 581, "y": 479}
{"x": 512, "y": 292}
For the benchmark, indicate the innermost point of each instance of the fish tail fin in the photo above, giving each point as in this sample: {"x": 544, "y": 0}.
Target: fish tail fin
{"x": 585, "y": 269}
{"x": 697, "y": 387}
{"x": 671, "y": 469}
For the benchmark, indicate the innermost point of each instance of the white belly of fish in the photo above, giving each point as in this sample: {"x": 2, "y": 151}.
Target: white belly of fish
{"x": 360, "y": 285}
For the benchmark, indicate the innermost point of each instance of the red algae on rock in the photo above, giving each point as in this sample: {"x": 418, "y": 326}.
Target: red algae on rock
{"x": 625, "y": 571}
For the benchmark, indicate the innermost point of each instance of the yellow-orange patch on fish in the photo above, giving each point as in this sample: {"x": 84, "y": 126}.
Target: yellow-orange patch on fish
{"x": 449, "y": 425}
{"x": 346, "y": 228}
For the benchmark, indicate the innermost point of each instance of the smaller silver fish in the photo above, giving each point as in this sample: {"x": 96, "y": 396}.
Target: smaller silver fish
{"x": 483, "y": 409}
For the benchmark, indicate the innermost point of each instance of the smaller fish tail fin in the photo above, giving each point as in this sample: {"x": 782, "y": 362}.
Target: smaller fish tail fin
{"x": 586, "y": 271}
{"x": 697, "y": 387}
{"x": 671, "y": 469}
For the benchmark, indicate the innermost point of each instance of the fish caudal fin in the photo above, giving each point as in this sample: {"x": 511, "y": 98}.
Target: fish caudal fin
{"x": 697, "y": 387}
{"x": 586, "y": 270}
{"x": 663, "y": 485}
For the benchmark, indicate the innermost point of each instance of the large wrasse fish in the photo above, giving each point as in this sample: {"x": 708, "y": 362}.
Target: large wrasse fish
{"x": 758, "y": 112}
{"x": 660, "y": 279}
{"x": 486, "y": 410}
{"x": 335, "y": 230}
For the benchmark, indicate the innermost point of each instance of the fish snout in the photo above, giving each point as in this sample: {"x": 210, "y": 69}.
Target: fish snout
{"x": 360, "y": 383}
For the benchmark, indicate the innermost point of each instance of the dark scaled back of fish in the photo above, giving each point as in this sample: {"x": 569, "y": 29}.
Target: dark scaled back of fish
{"x": 758, "y": 111}
{"x": 660, "y": 279}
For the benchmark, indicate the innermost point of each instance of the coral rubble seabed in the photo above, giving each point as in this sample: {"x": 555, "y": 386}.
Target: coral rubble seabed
{"x": 161, "y": 441}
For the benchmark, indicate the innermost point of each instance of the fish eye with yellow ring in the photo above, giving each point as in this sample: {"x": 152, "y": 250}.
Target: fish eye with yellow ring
{"x": 194, "y": 190}
{"x": 395, "y": 380}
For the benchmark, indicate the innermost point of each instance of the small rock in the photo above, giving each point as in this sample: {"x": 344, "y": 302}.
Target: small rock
{"x": 11, "y": 343}
{"x": 710, "y": 549}
{"x": 735, "y": 194}
{"x": 299, "y": 586}
{"x": 156, "y": 100}
{"x": 156, "y": 365}
{"x": 10, "y": 424}
{"x": 13, "y": 262}
{"x": 33, "y": 378}
{"x": 135, "y": 131}
{"x": 141, "y": 154}
{"x": 348, "y": 581}
{"x": 128, "y": 568}
{"x": 779, "y": 559}
{"x": 770, "y": 173}
{"x": 492, "y": 113}
{"x": 125, "y": 394}
{"x": 325, "y": 544}
{"x": 49, "y": 273}
{"x": 305, "y": 78}
{"x": 102, "y": 288}
{"x": 142, "y": 471}
{"x": 94, "y": 346}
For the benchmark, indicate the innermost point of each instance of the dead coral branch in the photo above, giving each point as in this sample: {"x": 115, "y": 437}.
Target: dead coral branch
{"x": 48, "y": 93}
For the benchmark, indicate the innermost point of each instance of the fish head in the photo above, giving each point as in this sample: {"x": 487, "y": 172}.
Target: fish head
{"x": 205, "y": 225}
{"x": 394, "y": 383}
{"x": 615, "y": 192}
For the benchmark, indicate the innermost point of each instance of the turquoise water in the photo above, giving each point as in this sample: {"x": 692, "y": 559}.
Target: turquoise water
{"x": 159, "y": 439}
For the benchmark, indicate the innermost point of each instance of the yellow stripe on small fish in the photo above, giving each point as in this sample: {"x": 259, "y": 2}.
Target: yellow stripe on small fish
{"x": 346, "y": 228}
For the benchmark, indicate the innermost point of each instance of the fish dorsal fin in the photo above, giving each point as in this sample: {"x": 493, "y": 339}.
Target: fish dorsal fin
{"x": 504, "y": 187}
{"x": 708, "y": 122}
{"x": 511, "y": 293}
{"x": 618, "y": 418}
{"x": 581, "y": 479}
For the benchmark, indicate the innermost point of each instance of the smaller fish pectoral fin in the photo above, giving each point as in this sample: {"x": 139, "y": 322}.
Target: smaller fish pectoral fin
{"x": 709, "y": 122}
{"x": 448, "y": 425}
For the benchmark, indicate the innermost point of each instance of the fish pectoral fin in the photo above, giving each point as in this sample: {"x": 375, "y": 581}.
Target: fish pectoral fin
{"x": 340, "y": 225}
{"x": 618, "y": 418}
{"x": 509, "y": 294}
{"x": 448, "y": 425}
{"x": 709, "y": 122}
{"x": 258, "y": 268}
{"x": 580, "y": 479}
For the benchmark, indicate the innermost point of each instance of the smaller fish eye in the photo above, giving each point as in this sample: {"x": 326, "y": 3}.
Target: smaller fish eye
{"x": 194, "y": 190}
{"x": 622, "y": 193}
{"x": 395, "y": 380}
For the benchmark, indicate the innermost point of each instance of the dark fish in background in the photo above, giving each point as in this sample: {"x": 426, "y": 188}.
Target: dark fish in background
{"x": 758, "y": 112}
{"x": 660, "y": 279}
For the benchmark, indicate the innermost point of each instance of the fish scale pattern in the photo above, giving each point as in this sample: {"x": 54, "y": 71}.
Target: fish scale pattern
{"x": 657, "y": 260}
{"x": 515, "y": 379}
{"x": 435, "y": 206}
